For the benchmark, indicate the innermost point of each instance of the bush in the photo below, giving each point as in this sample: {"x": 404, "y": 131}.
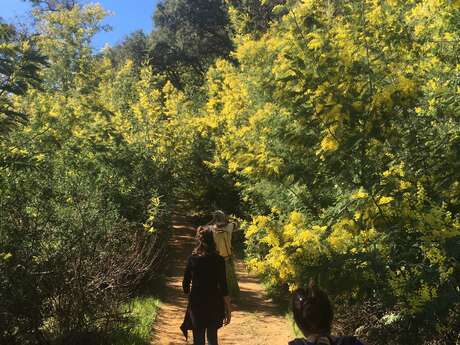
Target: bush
{"x": 341, "y": 124}
{"x": 70, "y": 257}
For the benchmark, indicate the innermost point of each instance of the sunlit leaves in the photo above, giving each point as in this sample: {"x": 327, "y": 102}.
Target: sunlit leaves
{"x": 344, "y": 112}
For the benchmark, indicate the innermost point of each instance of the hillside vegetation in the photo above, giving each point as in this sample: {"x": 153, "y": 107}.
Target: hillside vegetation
{"x": 331, "y": 127}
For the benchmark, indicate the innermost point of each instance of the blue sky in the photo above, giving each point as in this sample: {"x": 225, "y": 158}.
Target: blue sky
{"x": 128, "y": 16}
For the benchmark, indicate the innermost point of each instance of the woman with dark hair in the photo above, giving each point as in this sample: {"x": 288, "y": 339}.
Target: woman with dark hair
{"x": 209, "y": 304}
{"x": 313, "y": 315}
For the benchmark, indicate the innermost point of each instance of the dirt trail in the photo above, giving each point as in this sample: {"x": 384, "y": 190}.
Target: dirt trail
{"x": 255, "y": 320}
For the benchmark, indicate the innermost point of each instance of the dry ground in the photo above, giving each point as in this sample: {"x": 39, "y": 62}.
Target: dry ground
{"x": 255, "y": 319}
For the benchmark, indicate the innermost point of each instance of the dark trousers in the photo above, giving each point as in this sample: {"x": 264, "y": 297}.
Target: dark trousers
{"x": 211, "y": 335}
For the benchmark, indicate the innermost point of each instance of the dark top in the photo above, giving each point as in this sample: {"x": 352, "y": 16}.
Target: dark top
{"x": 207, "y": 277}
{"x": 338, "y": 341}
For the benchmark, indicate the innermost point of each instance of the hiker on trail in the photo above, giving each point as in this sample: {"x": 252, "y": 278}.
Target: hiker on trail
{"x": 222, "y": 230}
{"x": 209, "y": 305}
{"x": 313, "y": 315}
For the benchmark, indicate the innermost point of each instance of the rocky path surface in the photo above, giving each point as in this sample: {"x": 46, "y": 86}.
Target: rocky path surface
{"x": 255, "y": 319}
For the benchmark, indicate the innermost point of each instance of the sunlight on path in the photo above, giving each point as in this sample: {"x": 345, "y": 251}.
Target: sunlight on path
{"x": 255, "y": 319}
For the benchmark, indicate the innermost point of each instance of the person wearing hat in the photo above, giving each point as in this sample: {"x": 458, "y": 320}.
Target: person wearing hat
{"x": 222, "y": 231}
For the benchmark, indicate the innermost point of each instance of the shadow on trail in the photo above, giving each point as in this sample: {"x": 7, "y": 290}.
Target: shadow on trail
{"x": 252, "y": 298}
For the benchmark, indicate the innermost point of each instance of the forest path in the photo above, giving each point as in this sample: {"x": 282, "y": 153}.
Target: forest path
{"x": 255, "y": 319}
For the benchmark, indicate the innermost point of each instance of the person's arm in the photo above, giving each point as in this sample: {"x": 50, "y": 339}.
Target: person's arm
{"x": 236, "y": 226}
{"x": 187, "y": 277}
{"x": 224, "y": 288}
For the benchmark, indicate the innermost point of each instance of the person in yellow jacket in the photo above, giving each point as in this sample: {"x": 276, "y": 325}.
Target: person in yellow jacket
{"x": 222, "y": 232}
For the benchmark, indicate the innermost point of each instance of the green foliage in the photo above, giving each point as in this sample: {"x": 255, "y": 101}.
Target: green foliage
{"x": 134, "y": 47}
{"x": 83, "y": 205}
{"x": 254, "y": 16}
{"x": 332, "y": 125}
{"x": 20, "y": 63}
{"x": 189, "y": 35}
{"x": 72, "y": 253}
{"x": 341, "y": 124}
{"x": 64, "y": 36}
{"x": 142, "y": 313}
